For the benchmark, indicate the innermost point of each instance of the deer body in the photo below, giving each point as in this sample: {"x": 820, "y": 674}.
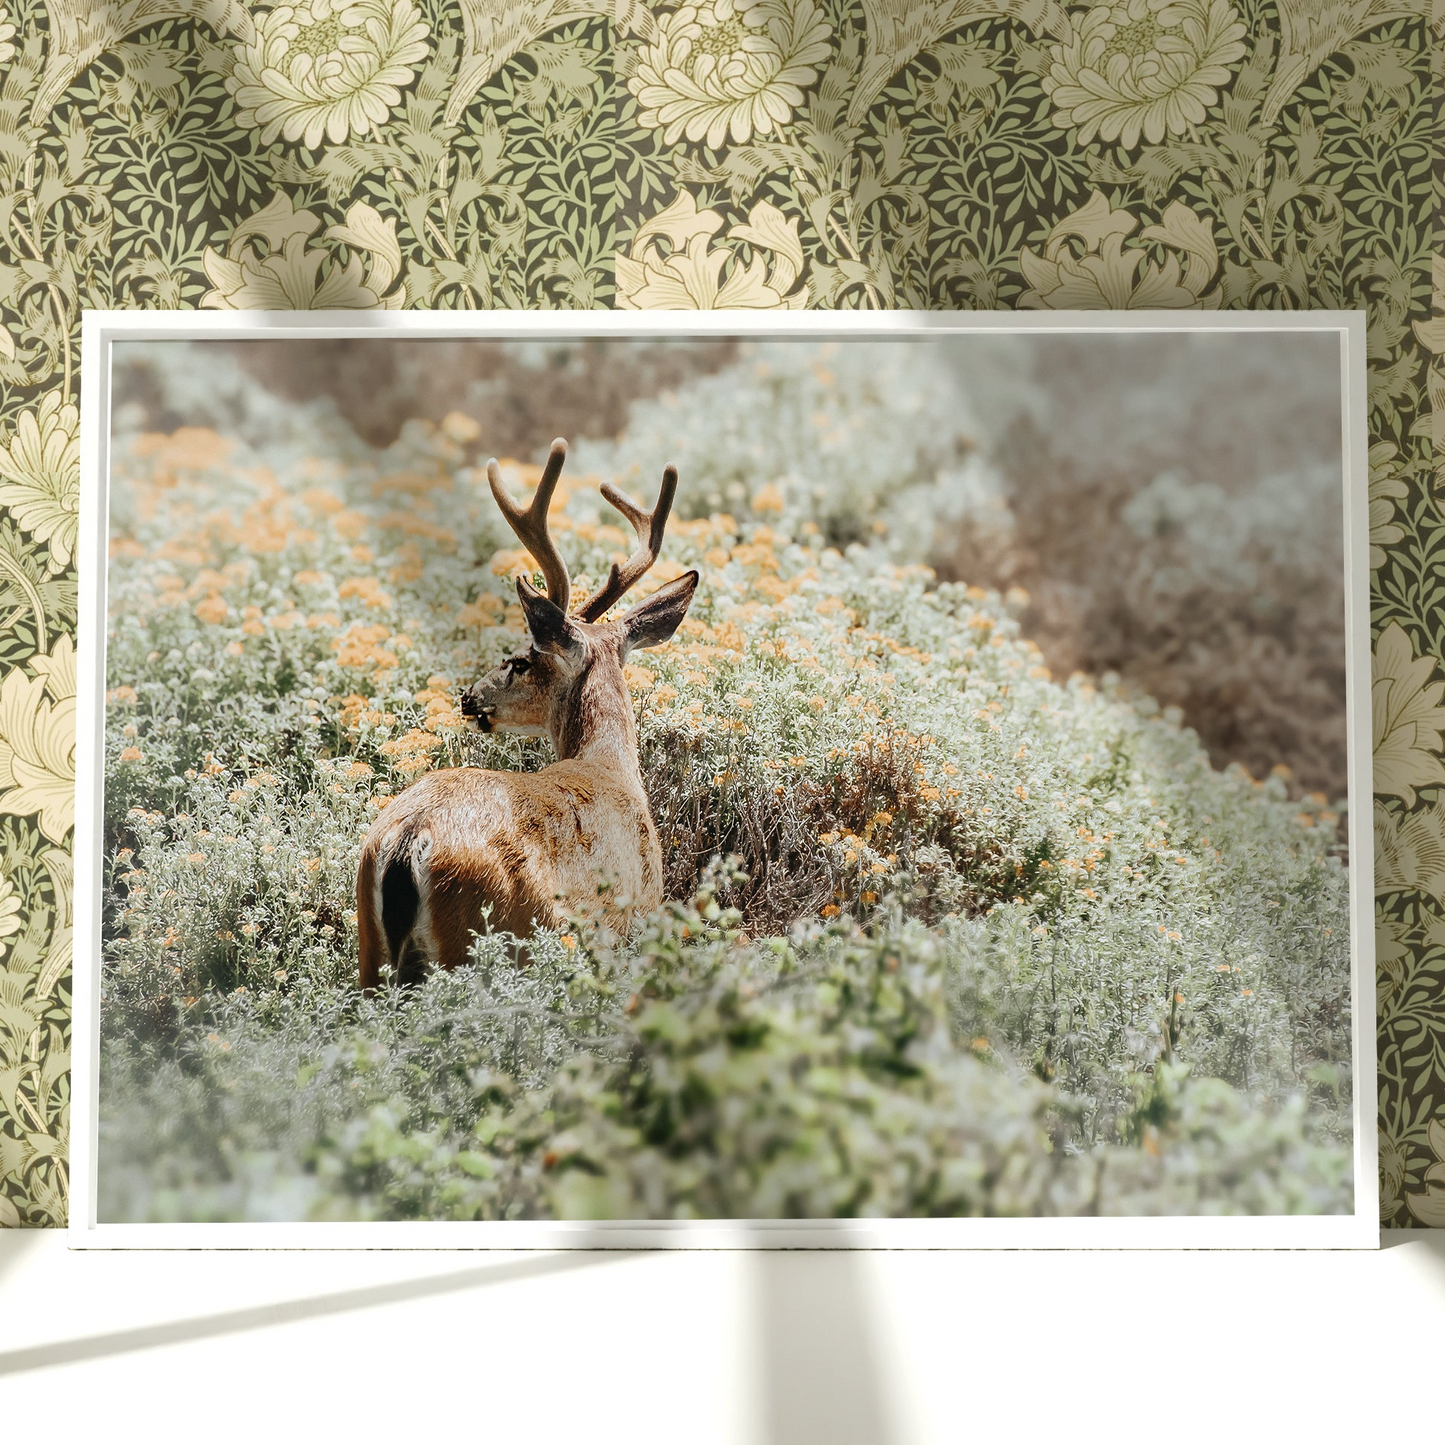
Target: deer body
{"x": 466, "y": 849}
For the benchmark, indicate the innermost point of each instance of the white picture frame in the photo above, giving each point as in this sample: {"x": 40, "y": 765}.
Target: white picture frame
{"x": 102, "y": 330}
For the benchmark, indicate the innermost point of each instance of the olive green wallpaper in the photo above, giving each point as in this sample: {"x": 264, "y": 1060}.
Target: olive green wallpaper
{"x": 726, "y": 153}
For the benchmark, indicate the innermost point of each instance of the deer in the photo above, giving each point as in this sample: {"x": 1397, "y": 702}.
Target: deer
{"x": 465, "y": 850}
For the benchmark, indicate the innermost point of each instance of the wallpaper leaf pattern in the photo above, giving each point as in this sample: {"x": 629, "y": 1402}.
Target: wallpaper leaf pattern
{"x": 717, "y": 153}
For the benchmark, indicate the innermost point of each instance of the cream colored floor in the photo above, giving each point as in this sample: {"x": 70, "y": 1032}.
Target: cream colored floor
{"x": 773, "y": 1348}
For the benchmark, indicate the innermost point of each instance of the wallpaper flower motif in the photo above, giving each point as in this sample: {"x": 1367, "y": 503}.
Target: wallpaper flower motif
{"x": 10, "y": 913}
{"x": 292, "y": 274}
{"x": 40, "y": 478}
{"x": 1387, "y": 488}
{"x": 1428, "y": 1205}
{"x": 687, "y": 276}
{"x": 729, "y": 67}
{"x": 1150, "y": 67}
{"x": 1409, "y": 853}
{"x": 739, "y": 153}
{"x": 326, "y": 68}
{"x": 1084, "y": 266}
{"x": 37, "y": 741}
{"x": 1409, "y": 722}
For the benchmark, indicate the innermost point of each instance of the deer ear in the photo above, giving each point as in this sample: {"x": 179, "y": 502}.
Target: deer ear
{"x": 651, "y": 623}
{"x": 548, "y": 624}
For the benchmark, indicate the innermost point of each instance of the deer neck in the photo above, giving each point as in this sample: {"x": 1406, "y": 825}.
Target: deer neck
{"x": 594, "y": 724}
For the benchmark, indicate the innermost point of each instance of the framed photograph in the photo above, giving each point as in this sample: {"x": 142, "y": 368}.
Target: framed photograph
{"x": 633, "y": 780}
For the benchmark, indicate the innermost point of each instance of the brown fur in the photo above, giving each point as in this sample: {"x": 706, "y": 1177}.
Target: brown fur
{"x": 371, "y": 947}
{"x": 480, "y": 850}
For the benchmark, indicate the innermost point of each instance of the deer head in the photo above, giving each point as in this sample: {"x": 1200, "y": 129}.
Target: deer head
{"x": 567, "y": 683}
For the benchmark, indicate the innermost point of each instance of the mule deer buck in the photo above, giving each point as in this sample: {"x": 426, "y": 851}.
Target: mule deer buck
{"x": 466, "y": 849}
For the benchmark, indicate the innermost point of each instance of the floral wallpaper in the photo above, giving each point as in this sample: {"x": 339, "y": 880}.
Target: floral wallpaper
{"x": 726, "y": 153}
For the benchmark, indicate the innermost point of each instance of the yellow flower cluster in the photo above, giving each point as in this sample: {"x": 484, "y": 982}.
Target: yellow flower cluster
{"x": 412, "y": 751}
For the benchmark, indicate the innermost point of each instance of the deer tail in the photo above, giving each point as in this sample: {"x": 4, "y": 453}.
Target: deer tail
{"x": 400, "y": 900}
{"x": 388, "y": 904}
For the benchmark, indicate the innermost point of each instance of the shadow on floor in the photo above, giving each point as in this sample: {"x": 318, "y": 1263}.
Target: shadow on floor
{"x": 811, "y": 1322}
{"x": 229, "y": 1322}
{"x": 817, "y": 1351}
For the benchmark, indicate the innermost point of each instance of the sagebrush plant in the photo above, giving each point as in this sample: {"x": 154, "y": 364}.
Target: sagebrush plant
{"x": 986, "y": 942}
{"x": 696, "y": 1073}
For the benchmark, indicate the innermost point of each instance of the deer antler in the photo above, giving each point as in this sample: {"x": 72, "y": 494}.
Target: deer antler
{"x": 649, "y": 527}
{"x": 531, "y": 525}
